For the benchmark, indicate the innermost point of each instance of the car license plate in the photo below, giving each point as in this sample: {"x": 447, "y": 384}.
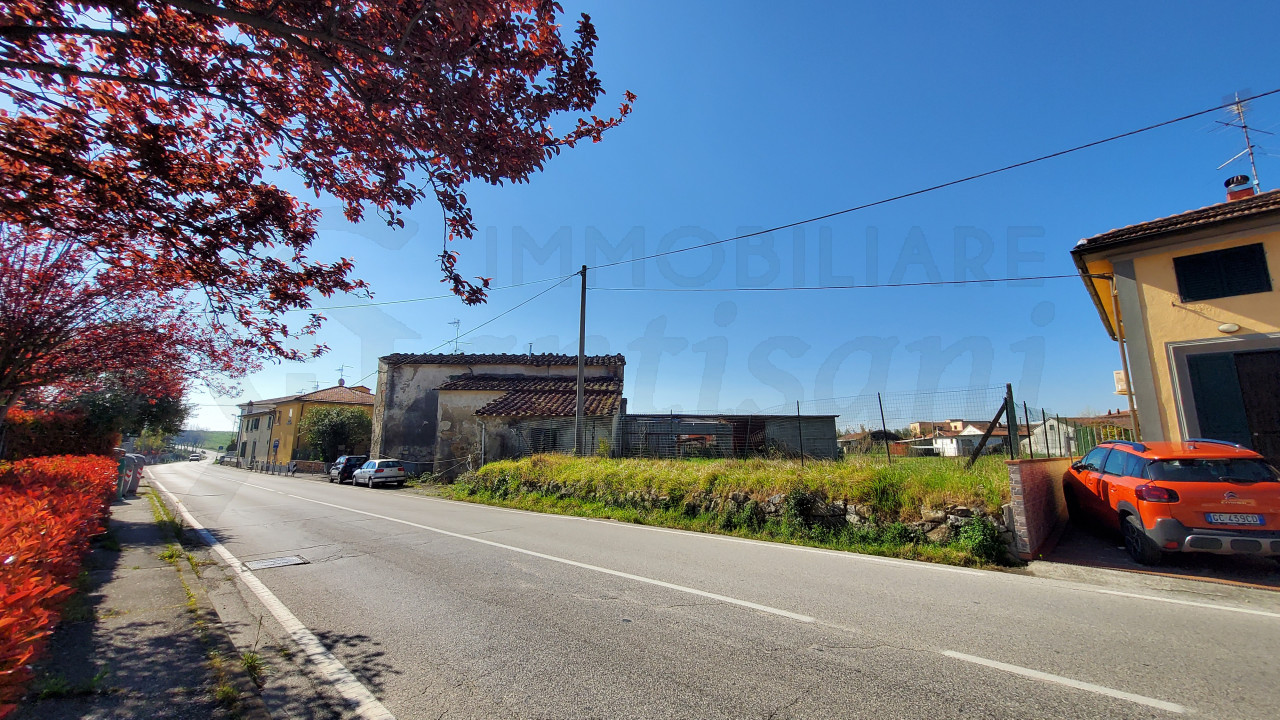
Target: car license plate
{"x": 1234, "y": 518}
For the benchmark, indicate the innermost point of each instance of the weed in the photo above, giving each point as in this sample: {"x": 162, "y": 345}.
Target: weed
{"x": 255, "y": 666}
{"x": 169, "y": 524}
{"x": 57, "y": 686}
{"x": 52, "y": 686}
{"x": 172, "y": 553}
{"x": 284, "y": 651}
{"x": 982, "y": 540}
{"x": 226, "y": 695}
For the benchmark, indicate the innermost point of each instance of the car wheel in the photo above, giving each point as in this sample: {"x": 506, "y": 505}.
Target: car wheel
{"x": 1141, "y": 548}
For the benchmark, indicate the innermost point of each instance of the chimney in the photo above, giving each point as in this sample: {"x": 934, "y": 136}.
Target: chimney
{"x": 341, "y": 382}
{"x": 1238, "y": 187}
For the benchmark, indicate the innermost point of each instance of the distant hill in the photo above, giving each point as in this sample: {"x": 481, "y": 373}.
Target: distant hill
{"x": 207, "y": 439}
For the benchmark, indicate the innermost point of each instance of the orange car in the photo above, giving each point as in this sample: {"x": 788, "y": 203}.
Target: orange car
{"x": 1193, "y": 496}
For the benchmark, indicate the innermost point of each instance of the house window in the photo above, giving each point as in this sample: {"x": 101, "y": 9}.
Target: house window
{"x": 1222, "y": 273}
{"x": 255, "y": 424}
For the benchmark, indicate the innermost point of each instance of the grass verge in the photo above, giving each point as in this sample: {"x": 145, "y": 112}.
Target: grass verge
{"x": 975, "y": 544}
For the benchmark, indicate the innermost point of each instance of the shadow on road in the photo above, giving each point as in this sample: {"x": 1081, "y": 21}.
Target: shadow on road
{"x": 1083, "y": 543}
{"x": 362, "y": 655}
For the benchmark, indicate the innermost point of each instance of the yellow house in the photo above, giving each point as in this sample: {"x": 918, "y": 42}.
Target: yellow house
{"x": 1193, "y": 301}
{"x": 285, "y": 444}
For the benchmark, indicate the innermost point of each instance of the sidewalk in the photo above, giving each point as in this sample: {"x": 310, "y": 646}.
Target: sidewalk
{"x": 141, "y": 640}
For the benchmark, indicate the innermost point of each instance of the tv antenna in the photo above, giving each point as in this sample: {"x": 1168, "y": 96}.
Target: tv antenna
{"x": 1239, "y": 122}
{"x": 341, "y": 369}
{"x": 457, "y": 327}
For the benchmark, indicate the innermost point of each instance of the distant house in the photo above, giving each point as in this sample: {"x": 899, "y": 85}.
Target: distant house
{"x": 866, "y": 441}
{"x": 269, "y": 428}
{"x": 439, "y": 413}
{"x": 958, "y": 438}
{"x": 1194, "y": 302}
{"x": 253, "y": 436}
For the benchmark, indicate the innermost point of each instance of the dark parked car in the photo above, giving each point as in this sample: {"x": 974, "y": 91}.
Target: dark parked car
{"x": 342, "y": 468}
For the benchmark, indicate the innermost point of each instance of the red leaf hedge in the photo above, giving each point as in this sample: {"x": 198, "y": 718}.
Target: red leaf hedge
{"x": 37, "y": 433}
{"x": 49, "y": 508}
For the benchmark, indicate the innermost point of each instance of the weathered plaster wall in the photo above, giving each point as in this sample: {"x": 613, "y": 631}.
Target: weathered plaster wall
{"x": 407, "y": 408}
{"x": 458, "y": 430}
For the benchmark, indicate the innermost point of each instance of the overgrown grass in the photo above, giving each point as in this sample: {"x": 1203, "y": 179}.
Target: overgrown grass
{"x": 663, "y": 493}
{"x": 164, "y": 517}
{"x": 896, "y": 490}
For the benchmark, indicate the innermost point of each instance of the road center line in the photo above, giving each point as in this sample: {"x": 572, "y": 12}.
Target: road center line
{"x": 1068, "y": 682}
{"x": 575, "y": 563}
{"x": 325, "y": 665}
{"x": 1080, "y": 587}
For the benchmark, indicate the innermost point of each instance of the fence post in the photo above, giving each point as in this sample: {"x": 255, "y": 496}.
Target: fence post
{"x": 1012, "y": 412}
{"x": 884, "y": 429}
{"x": 800, "y": 433}
{"x": 1031, "y": 445}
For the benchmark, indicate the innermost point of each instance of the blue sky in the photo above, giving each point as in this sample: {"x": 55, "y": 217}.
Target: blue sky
{"x": 753, "y": 115}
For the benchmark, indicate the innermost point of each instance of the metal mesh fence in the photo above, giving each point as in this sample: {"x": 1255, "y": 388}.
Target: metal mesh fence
{"x": 1048, "y": 434}
{"x": 945, "y": 423}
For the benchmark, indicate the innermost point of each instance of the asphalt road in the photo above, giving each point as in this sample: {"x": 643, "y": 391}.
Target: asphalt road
{"x": 446, "y": 609}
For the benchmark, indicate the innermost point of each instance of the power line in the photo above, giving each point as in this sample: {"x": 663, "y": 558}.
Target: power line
{"x": 424, "y": 299}
{"x": 940, "y": 186}
{"x": 508, "y": 311}
{"x": 840, "y": 287}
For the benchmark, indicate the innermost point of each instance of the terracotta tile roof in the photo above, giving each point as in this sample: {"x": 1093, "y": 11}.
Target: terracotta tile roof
{"x": 535, "y": 403}
{"x": 542, "y": 360}
{"x": 556, "y": 383}
{"x": 339, "y": 394}
{"x": 265, "y": 404}
{"x": 1261, "y": 204}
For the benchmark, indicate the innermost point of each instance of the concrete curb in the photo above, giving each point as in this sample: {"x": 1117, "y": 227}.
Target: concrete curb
{"x": 251, "y": 705}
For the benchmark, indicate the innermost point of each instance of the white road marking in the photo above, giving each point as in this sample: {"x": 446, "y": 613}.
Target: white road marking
{"x": 727, "y": 538}
{"x": 324, "y": 664}
{"x": 575, "y": 563}
{"x": 1174, "y": 601}
{"x": 1080, "y": 587}
{"x": 1068, "y": 682}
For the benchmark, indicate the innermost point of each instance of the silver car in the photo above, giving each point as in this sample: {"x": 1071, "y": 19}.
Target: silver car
{"x": 379, "y": 471}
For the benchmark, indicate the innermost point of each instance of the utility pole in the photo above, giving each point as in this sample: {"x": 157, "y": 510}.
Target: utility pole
{"x": 582, "y": 367}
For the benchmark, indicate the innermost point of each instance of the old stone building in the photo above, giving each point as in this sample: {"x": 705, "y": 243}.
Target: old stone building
{"x": 445, "y": 413}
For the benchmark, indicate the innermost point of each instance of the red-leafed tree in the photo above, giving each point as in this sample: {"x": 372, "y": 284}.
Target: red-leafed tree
{"x": 148, "y": 131}
{"x": 71, "y": 325}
